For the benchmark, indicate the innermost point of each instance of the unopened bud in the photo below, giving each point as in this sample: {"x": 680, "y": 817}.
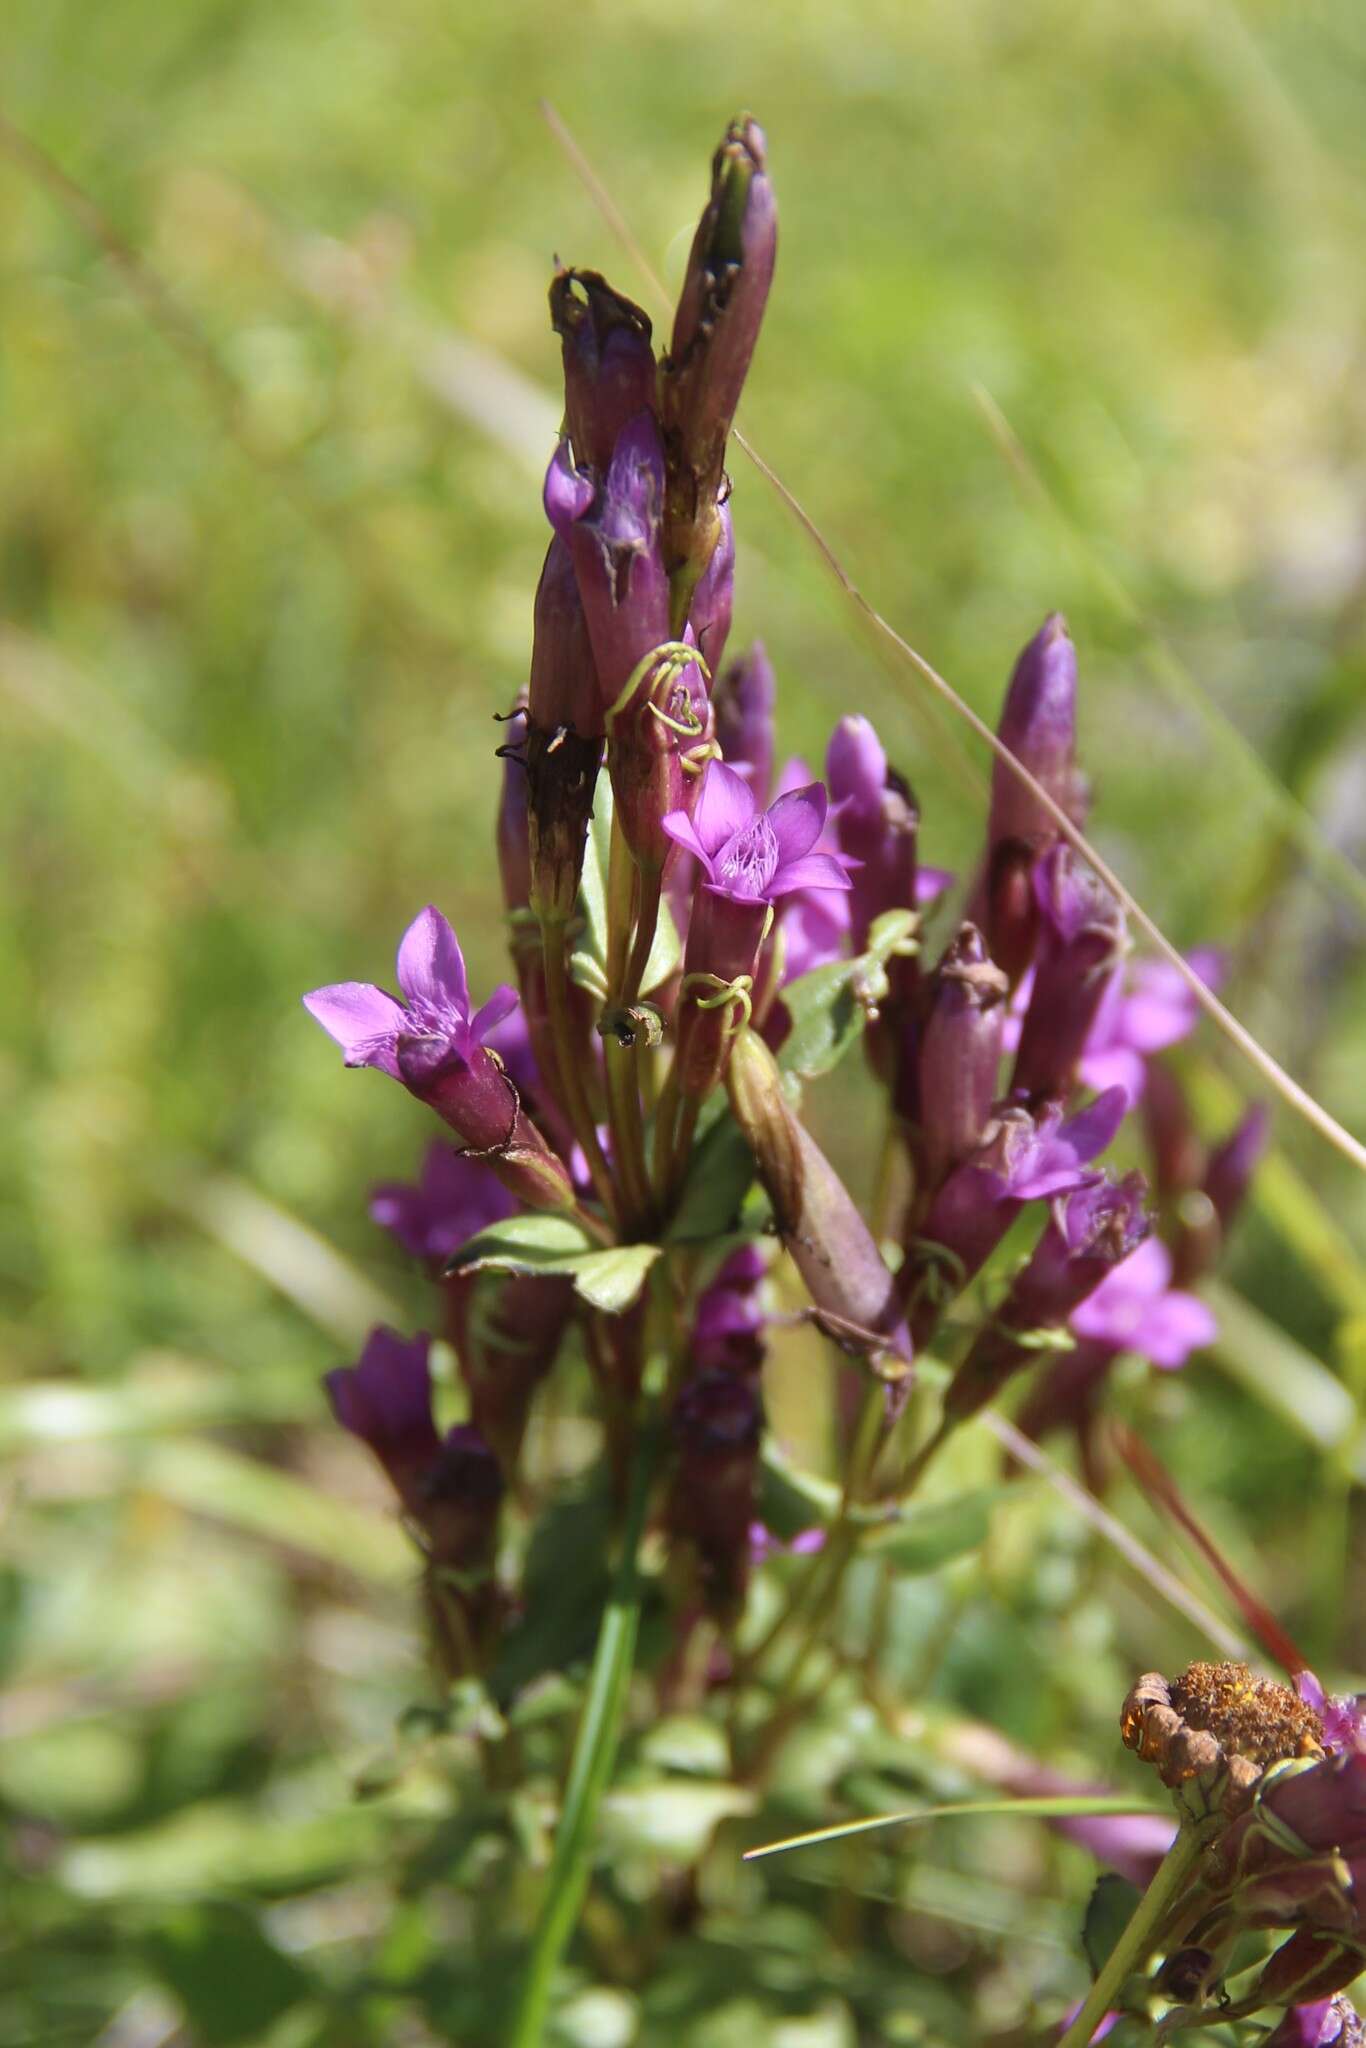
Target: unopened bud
{"x": 960, "y": 1052}
{"x": 609, "y": 365}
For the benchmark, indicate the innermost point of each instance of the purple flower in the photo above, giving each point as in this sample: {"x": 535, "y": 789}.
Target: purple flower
{"x": 1039, "y": 725}
{"x": 1025, "y": 1157}
{"x": 1089, "y": 1232}
{"x": 612, "y": 531}
{"x": 416, "y": 1037}
{"x": 763, "y": 1544}
{"x": 453, "y": 1198}
{"x": 717, "y": 1424}
{"x": 1152, "y": 1008}
{"x": 1232, "y": 1164}
{"x": 728, "y": 1322}
{"x": 815, "y": 931}
{"x": 1081, "y": 943}
{"x": 385, "y": 1399}
{"x": 432, "y": 1044}
{"x": 1135, "y": 1308}
{"x": 744, "y": 701}
{"x": 1327, "y": 2023}
{"x": 752, "y": 855}
{"x": 1344, "y": 1720}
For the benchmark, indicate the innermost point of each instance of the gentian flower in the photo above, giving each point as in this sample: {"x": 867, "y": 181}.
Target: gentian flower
{"x": 432, "y": 1044}
{"x": 1344, "y": 1720}
{"x": 1080, "y": 946}
{"x": 562, "y": 744}
{"x": 749, "y": 859}
{"x": 720, "y": 308}
{"x": 453, "y": 1198}
{"x": 1026, "y": 1156}
{"x": 385, "y": 1399}
{"x": 1136, "y": 1308}
{"x": 713, "y": 600}
{"x": 1089, "y": 1232}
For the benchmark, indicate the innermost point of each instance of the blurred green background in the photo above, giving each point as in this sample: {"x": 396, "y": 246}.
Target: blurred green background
{"x": 267, "y": 548}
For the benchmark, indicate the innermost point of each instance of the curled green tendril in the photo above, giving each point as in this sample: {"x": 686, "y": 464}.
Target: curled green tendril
{"x": 671, "y": 657}
{"x": 738, "y": 993}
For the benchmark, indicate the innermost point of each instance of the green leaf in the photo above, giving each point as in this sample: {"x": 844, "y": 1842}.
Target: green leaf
{"x": 791, "y": 1500}
{"x": 593, "y": 881}
{"x": 719, "y": 1177}
{"x": 921, "y": 1539}
{"x": 1109, "y": 1910}
{"x": 233, "y": 1983}
{"x": 829, "y": 1006}
{"x": 608, "y": 1278}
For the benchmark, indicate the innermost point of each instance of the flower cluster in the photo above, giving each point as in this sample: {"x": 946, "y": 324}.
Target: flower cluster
{"x": 697, "y": 937}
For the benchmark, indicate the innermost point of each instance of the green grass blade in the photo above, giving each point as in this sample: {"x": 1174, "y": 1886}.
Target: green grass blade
{"x": 1056, "y": 1808}
{"x": 590, "y": 1769}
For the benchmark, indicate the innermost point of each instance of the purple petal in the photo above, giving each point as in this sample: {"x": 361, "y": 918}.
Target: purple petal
{"x": 678, "y": 826}
{"x": 363, "y": 1020}
{"x": 856, "y": 766}
{"x": 568, "y": 492}
{"x": 500, "y": 1004}
{"x": 1174, "y": 1327}
{"x": 812, "y": 871}
{"x": 1115, "y": 1068}
{"x": 932, "y": 882}
{"x": 727, "y": 804}
{"x": 431, "y": 967}
{"x": 797, "y": 820}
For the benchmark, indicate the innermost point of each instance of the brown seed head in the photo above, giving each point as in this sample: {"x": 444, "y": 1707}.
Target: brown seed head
{"x": 1217, "y": 1716}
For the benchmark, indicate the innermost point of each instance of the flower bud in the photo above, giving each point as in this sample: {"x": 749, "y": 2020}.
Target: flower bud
{"x": 507, "y": 1330}
{"x": 562, "y": 746}
{"x": 744, "y": 701}
{"x": 717, "y": 1426}
{"x": 1039, "y": 725}
{"x": 1081, "y": 945}
{"x": 817, "y": 1218}
{"x": 1309, "y": 1967}
{"x": 609, "y": 365}
{"x": 960, "y": 1053}
{"x": 385, "y": 1399}
{"x": 714, "y": 598}
{"x": 725, "y": 290}
{"x": 661, "y": 740}
{"x": 615, "y": 544}
{"x": 1232, "y": 1165}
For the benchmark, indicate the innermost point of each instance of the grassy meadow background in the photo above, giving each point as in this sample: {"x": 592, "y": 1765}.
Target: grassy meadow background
{"x": 1070, "y": 312}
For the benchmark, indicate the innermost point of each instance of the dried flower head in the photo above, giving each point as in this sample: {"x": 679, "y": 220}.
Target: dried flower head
{"x": 1217, "y": 1716}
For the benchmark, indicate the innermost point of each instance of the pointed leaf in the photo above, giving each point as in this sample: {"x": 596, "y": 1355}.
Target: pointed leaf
{"x": 829, "y": 1006}
{"x": 1109, "y": 1910}
{"x": 1022, "y": 1809}
{"x": 609, "y": 1279}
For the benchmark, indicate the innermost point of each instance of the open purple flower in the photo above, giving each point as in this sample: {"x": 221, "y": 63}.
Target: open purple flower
{"x": 752, "y": 855}
{"x": 1136, "y": 1308}
{"x": 1024, "y": 1157}
{"x": 432, "y": 1044}
{"x": 1151, "y": 1008}
{"x": 453, "y": 1198}
{"x": 1344, "y": 1720}
{"x": 1327, "y": 2023}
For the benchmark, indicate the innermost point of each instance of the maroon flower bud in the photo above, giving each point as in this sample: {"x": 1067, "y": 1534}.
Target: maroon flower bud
{"x": 1310, "y": 1966}
{"x": 507, "y": 1331}
{"x": 725, "y": 290}
{"x": 744, "y": 701}
{"x": 960, "y": 1053}
{"x": 817, "y": 1218}
{"x": 385, "y": 1399}
{"x": 714, "y": 598}
{"x": 717, "y": 1426}
{"x": 661, "y": 740}
{"x": 1178, "y": 1157}
{"x": 1007, "y": 905}
{"x": 562, "y": 744}
{"x": 459, "y": 1498}
{"x": 876, "y": 821}
{"x": 614, "y": 539}
{"x": 609, "y": 365}
{"x": 1090, "y": 1232}
{"x": 1081, "y": 945}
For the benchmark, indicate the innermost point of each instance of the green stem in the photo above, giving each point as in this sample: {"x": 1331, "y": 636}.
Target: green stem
{"x": 628, "y": 1130}
{"x": 647, "y": 920}
{"x": 1138, "y": 1939}
{"x": 590, "y": 1769}
{"x": 573, "y": 1095}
